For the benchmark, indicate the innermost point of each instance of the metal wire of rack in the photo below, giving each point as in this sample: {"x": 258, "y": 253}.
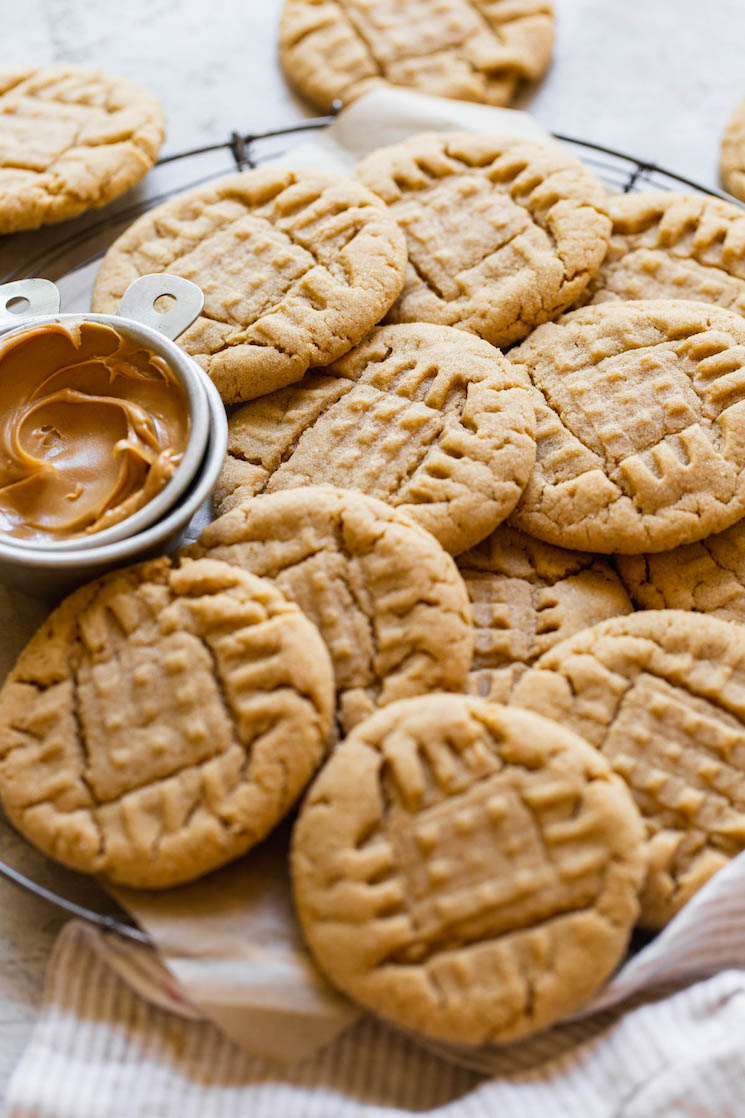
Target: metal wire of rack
{"x": 621, "y": 172}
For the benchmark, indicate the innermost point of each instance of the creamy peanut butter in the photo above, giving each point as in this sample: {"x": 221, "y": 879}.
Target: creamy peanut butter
{"x": 93, "y": 425}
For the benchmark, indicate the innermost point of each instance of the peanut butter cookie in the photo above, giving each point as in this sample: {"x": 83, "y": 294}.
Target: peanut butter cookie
{"x": 661, "y": 694}
{"x": 386, "y": 598}
{"x": 468, "y": 49}
{"x": 72, "y": 138}
{"x": 708, "y": 576}
{"x": 435, "y": 423}
{"x": 502, "y": 234}
{"x": 732, "y": 164}
{"x": 466, "y": 870}
{"x": 162, "y": 721}
{"x": 295, "y": 266}
{"x": 526, "y": 596}
{"x": 673, "y": 246}
{"x": 640, "y": 408}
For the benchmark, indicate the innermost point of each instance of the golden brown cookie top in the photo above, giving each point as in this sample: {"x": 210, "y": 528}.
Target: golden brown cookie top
{"x": 338, "y": 49}
{"x": 661, "y": 694}
{"x": 708, "y": 576}
{"x": 639, "y": 411}
{"x": 526, "y": 596}
{"x": 666, "y": 245}
{"x": 435, "y": 423}
{"x": 386, "y": 598}
{"x": 467, "y": 871}
{"x": 295, "y": 266}
{"x": 72, "y": 138}
{"x": 502, "y": 234}
{"x": 162, "y": 721}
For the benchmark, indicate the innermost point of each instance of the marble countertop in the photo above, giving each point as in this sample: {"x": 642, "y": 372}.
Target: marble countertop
{"x": 654, "y": 78}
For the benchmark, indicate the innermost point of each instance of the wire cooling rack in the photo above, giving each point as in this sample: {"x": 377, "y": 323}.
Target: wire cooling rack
{"x": 72, "y": 264}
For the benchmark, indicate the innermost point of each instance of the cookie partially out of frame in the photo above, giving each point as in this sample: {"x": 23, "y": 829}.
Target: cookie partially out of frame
{"x": 435, "y": 423}
{"x": 162, "y": 721}
{"x": 661, "y": 693}
{"x": 640, "y": 411}
{"x": 526, "y": 596}
{"x": 447, "y": 48}
{"x": 502, "y": 234}
{"x": 732, "y": 162}
{"x": 295, "y": 266}
{"x": 708, "y": 576}
{"x": 386, "y": 598}
{"x": 666, "y": 245}
{"x": 468, "y": 871}
{"x": 72, "y": 138}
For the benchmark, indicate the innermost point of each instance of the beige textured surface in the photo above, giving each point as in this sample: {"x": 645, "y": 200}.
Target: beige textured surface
{"x": 473, "y": 50}
{"x": 432, "y": 422}
{"x": 162, "y": 721}
{"x": 296, "y": 267}
{"x": 501, "y": 234}
{"x": 640, "y": 411}
{"x": 466, "y": 870}
{"x": 386, "y": 598}
{"x": 732, "y": 163}
{"x": 526, "y": 596}
{"x": 673, "y": 246}
{"x": 71, "y": 139}
{"x": 662, "y": 694}
{"x": 708, "y": 576}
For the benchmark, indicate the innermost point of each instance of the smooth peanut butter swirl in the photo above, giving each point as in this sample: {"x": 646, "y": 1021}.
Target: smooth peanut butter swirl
{"x": 93, "y": 425}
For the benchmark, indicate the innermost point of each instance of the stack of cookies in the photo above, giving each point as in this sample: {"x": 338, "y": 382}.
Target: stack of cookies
{"x": 450, "y": 594}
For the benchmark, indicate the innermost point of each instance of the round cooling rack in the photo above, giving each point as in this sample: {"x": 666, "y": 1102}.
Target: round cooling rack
{"x": 73, "y": 262}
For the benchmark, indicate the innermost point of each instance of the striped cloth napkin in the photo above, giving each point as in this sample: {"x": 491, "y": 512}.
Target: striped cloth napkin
{"x": 110, "y": 1047}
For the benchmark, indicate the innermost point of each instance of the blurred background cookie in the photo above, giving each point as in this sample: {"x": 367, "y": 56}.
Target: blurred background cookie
{"x": 732, "y": 163}
{"x": 72, "y": 138}
{"x": 448, "y": 48}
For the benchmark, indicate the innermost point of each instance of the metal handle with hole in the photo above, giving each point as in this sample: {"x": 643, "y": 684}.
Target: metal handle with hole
{"x": 39, "y": 295}
{"x": 138, "y": 303}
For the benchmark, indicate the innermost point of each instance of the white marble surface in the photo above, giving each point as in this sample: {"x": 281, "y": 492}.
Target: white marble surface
{"x": 654, "y": 78}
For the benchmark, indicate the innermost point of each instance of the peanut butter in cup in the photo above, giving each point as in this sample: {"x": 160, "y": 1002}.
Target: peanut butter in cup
{"x": 94, "y": 425}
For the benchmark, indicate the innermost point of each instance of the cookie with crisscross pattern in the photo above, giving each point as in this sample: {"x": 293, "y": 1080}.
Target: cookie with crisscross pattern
{"x": 72, "y": 138}
{"x": 468, "y": 871}
{"x": 295, "y": 266}
{"x": 162, "y": 721}
{"x": 502, "y": 234}
{"x": 386, "y": 598}
{"x": 431, "y": 421}
{"x": 640, "y": 408}
{"x": 666, "y": 245}
{"x": 473, "y": 50}
{"x": 661, "y": 693}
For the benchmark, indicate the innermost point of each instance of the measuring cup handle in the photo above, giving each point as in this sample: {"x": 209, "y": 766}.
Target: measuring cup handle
{"x": 41, "y": 295}
{"x": 138, "y": 303}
